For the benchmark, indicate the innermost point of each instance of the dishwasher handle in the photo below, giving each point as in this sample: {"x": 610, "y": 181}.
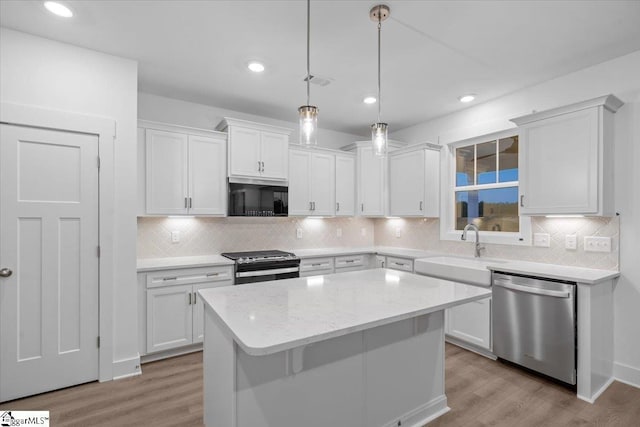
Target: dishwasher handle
{"x": 530, "y": 290}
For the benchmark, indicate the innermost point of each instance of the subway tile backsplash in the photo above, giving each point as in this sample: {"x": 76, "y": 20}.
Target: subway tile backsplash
{"x": 204, "y": 236}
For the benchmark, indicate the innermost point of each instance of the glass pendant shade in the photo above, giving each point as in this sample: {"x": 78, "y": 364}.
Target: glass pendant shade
{"x": 379, "y": 139}
{"x": 308, "y": 125}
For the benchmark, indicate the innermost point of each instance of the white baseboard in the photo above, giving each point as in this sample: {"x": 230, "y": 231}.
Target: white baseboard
{"x": 152, "y": 357}
{"x": 597, "y": 394}
{"x": 425, "y": 413}
{"x": 626, "y": 374}
{"x": 467, "y": 346}
{"x": 126, "y": 368}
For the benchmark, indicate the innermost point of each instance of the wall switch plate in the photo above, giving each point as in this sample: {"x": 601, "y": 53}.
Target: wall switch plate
{"x": 299, "y": 233}
{"x": 398, "y": 232}
{"x": 339, "y": 232}
{"x": 597, "y": 244}
{"x": 571, "y": 241}
{"x": 363, "y": 231}
{"x": 175, "y": 236}
{"x": 541, "y": 239}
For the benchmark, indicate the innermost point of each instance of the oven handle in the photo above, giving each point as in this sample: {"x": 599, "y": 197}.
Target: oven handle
{"x": 530, "y": 290}
{"x": 268, "y": 272}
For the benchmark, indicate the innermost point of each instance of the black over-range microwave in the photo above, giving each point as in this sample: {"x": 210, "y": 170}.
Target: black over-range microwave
{"x": 258, "y": 199}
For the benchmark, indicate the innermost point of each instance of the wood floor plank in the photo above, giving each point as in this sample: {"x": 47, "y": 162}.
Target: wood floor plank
{"x": 480, "y": 392}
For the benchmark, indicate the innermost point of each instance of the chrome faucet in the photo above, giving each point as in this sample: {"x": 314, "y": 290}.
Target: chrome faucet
{"x": 464, "y": 237}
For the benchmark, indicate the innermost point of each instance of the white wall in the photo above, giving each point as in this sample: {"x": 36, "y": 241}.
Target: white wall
{"x": 175, "y": 111}
{"x": 621, "y": 77}
{"x": 43, "y": 73}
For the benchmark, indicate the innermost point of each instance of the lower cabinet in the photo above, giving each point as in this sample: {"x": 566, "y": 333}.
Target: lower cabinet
{"x": 352, "y": 263}
{"x": 172, "y": 313}
{"x": 316, "y": 266}
{"x": 394, "y": 263}
{"x": 471, "y": 323}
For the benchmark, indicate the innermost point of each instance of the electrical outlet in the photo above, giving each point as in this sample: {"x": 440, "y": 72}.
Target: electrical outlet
{"x": 363, "y": 231}
{"x": 398, "y": 232}
{"x": 542, "y": 240}
{"x": 597, "y": 244}
{"x": 299, "y": 233}
{"x": 175, "y": 236}
{"x": 571, "y": 241}
{"x": 339, "y": 232}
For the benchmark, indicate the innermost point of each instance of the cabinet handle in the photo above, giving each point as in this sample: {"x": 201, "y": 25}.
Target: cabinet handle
{"x": 421, "y": 205}
{"x": 349, "y": 261}
{"x": 382, "y": 264}
{"x": 399, "y": 263}
{"x": 522, "y": 200}
{"x": 362, "y": 207}
{"x": 164, "y": 279}
{"x": 189, "y": 298}
{"x": 310, "y": 206}
{"x": 190, "y": 203}
{"x": 316, "y": 265}
{"x": 212, "y": 274}
{"x": 194, "y": 298}
{"x": 186, "y": 203}
{"x": 314, "y": 205}
{"x": 259, "y": 166}
{"x": 337, "y": 206}
{"x": 262, "y": 166}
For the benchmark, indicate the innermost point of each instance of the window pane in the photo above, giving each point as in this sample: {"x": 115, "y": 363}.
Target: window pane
{"x": 486, "y": 163}
{"x": 490, "y": 210}
{"x": 508, "y": 148}
{"x": 464, "y": 166}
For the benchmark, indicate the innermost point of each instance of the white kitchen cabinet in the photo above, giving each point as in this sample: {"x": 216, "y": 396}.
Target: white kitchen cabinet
{"x": 569, "y": 150}
{"x": 171, "y": 314}
{"x": 345, "y": 185}
{"x": 316, "y": 266}
{"x": 371, "y": 182}
{"x": 352, "y": 263}
{"x": 311, "y": 183}
{"x": 397, "y": 263}
{"x": 183, "y": 170}
{"x": 471, "y": 323}
{"x": 414, "y": 181}
{"x": 256, "y": 151}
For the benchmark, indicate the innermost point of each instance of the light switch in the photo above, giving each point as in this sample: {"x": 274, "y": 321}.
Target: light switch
{"x": 597, "y": 244}
{"x": 175, "y": 236}
{"x": 339, "y": 232}
{"x": 299, "y": 233}
{"x": 398, "y": 232}
{"x": 541, "y": 239}
{"x": 571, "y": 241}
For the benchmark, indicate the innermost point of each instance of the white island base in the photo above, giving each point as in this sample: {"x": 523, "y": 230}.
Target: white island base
{"x": 389, "y": 375}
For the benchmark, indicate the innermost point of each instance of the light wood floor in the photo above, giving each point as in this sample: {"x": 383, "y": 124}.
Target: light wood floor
{"x": 480, "y": 392}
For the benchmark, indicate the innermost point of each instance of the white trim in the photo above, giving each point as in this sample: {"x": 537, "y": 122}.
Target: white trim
{"x": 126, "y": 368}
{"x": 626, "y": 374}
{"x": 226, "y": 122}
{"x": 597, "y": 394}
{"x": 105, "y": 129}
{"x": 447, "y": 197}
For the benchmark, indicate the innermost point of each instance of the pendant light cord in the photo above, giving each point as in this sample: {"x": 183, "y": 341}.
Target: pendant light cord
{"x": 308, "y": 48}
{"x": 379, "y": 30}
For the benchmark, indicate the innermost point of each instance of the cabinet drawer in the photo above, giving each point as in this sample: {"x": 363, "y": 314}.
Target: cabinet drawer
{"x": 351, "y": 268}
{"x": 350, "y": 261}
{"x": 186, "y": 276}
{"x": 315, "y": 266}
{"x": 403, "y": 264}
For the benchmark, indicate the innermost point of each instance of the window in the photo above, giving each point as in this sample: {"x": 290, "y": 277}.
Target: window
{"x": 485, "y": 190}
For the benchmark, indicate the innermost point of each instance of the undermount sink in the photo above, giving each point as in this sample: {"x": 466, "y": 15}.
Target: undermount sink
{"x": 459, "y": 269}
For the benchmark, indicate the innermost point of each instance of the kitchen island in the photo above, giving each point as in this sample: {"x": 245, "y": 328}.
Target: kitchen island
{"x": 363, "y": 348}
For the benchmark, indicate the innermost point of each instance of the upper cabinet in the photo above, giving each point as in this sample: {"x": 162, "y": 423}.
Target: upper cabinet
{"x": 345, "y": 184}
{"x": 256, "y": 151}
{"x": 312, "y": 182}
{"x": 414, "y": 181}
{"x": 181, "y": 170}
{"x": 566, "y": 159}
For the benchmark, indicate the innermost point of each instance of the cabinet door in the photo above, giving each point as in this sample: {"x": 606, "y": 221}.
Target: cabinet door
{"x": 471, "y": 322}
{"x": 560, "y": 153}
{"x": 299, "y": 184}
{"x": 345, "y": 186}
{"x": 198, "y": 309}
{"x": 207, "y": 176}
{"x": 169, "y": 317}
{"x": 323, "y": 183}
{"x": 275, "y": 155}
{"x": 371, "y": 176}
{"x": 406, "y": 184}
{"x": 402, "y": 264}
{"x": 167, "y": 178}
{"x": 431, "y": 207}
{"x": 244, "y": 152}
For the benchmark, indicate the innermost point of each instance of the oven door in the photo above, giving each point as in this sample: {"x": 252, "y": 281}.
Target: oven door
{"x": 254, "y": 276}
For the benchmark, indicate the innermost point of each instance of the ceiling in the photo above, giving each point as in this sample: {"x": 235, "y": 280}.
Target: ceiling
{"x": 432, "y": 51}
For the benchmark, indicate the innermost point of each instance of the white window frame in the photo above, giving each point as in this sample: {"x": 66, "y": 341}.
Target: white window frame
{"x": 447, "y": 212}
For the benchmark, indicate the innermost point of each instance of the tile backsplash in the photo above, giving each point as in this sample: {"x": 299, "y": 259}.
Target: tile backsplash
{"x": 205, "y": 236}
{"x": 425, "y": 234}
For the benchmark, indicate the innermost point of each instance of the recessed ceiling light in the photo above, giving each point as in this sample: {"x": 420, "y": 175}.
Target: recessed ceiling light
{"x": 370, "y": 100}
{"x": 58, "y": 9}
{"x": 467, "y": 98}
{"x": 256, "y": 67}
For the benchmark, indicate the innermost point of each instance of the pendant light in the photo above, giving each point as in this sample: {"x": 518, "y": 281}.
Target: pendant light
{"x": 308, "y": 113}
{"x": 379, "y": 130}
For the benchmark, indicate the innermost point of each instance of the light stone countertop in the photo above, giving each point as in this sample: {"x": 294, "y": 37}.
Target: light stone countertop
{"x": 380, "y": 250}
{"x": 270, "y": 317}
{"x": 152, "y": 264}
{"x": 590, "y": 276}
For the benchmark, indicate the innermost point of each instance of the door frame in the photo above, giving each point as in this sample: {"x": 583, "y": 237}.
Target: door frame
{"x": 105, "y": 129}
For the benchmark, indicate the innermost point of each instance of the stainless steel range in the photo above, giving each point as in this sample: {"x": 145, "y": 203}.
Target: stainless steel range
{"x": 262, "y": 266}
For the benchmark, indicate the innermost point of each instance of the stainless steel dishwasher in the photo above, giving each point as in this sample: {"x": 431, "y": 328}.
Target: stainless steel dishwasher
{"x": 534, "y": 324}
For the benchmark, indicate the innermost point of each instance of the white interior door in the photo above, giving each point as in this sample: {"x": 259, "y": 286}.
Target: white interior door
{"x": 49, "y": 229}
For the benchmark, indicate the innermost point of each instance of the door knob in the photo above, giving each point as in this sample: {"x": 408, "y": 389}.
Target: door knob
{"x": 5, "y": 272}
